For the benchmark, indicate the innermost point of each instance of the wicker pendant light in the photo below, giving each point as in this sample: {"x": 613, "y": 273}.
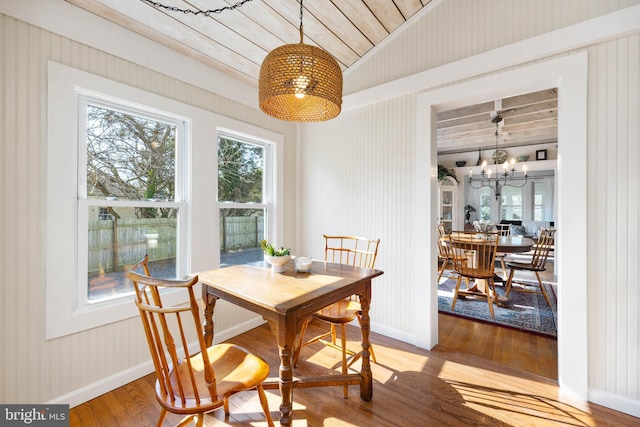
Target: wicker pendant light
{"x": 300, "y": 83}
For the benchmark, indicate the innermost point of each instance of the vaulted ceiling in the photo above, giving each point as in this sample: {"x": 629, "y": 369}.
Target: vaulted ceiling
{"x": 236, "y": 41}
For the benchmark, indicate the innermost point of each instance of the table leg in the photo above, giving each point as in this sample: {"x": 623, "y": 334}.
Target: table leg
{"x": 209, "y": 306}
{"x": 366, "y": 386}
{"x": 285, "y": 336}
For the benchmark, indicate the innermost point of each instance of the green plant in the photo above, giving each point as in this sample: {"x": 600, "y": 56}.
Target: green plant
{"x": 444, "y": 172}
{"x": 270, "y": 250}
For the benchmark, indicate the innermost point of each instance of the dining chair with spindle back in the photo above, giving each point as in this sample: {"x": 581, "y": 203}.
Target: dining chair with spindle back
{"x": 445, "y": 256}
{"x": 350, "y": 250}
{"x": 480, "y": 251}
{"x": 191, "y": 382}
{"x": 536, "y": 264}
{"x": 503, "y": 230}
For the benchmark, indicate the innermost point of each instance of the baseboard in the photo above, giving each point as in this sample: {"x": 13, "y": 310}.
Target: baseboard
{"x": 107, "y": 384}
{"x": 393, "y": 333}
{"x": 615, "y": 402}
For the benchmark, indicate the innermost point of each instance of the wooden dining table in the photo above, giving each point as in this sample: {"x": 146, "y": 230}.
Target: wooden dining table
{"x": 285, "y": 300}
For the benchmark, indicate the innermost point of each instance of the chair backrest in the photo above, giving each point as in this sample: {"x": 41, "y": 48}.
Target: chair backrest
{"x": 543, "y": 247}
{"x": 503, "y": 229}
{"x": 352, "y": 250}
{"x": 479, "y": 250}
{"x": 442, "y": 235}
{"x": 168, "y": 331}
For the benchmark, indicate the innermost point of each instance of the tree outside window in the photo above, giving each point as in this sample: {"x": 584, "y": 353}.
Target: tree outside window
{"x": 243, "y": 192}
{"x": 130, "y": 197}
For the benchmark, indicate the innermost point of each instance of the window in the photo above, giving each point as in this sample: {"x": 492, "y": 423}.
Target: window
{"x": 244, "y": 189}
{"x": 539, "y": 196}
{"x": 485, "y": 203}
{"x": 128, "y": 194}
{"x": 511, "y": 203}
{"x": 152, "y": 188}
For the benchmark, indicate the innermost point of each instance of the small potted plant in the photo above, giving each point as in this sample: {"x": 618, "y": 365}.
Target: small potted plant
{"x": 277, "y": 258}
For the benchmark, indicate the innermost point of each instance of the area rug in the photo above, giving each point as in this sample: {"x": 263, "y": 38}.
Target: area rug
{"x": 528, "y": 312}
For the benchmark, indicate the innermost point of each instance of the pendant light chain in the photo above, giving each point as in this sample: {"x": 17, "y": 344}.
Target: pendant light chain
{"x": 301, "y": 32}
{"x": 159, "y": 5}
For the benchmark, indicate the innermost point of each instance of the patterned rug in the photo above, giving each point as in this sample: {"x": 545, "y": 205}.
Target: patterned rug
{"x": 528, "y": 312}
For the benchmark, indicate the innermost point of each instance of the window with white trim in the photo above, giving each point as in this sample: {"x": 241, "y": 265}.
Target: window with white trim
{"x": 244, "y": 197}
{"x": 182, "y": 207}
{"x": 129, "y": 167}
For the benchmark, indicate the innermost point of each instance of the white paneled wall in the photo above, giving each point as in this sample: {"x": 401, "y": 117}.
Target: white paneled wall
{"x": 613, "y": 217}
{"x": 333, "y": 168}
{"x": 448, "y": 30}
{"x": 32, "y": 369}
{"x": 356, "y": 178}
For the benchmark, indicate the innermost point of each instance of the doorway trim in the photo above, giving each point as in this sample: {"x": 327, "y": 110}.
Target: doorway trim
{"x": 569, "y": 75}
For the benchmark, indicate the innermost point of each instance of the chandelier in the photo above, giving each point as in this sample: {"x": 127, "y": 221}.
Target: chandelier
{"x": 300, "y": 83}
{"x": 500, "y": 175}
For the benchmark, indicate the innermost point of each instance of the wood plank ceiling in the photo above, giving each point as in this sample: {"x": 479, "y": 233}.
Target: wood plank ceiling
{"x": 527, "y": 119}
{"x": 236, "y": 41}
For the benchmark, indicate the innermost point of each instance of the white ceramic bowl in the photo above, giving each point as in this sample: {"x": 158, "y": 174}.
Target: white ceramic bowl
{"x": 277, "y": 262}
{"x": 302, "y": 264}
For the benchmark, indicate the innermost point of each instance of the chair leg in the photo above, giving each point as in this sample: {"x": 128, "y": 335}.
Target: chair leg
{"x": 442, "y": 268}
{"x": 265, "y": 404}
{"x": 491, "y": 296}
{"x": 189, "y": 419}
{"x": 507, "y": 289}
{"x": 544, "y": 292}
{"x": 300, "y": 343}
{"x": 504, "y": 267}
{"x": 225, "y": 403}
{"x": 163, "y": 414}
{"x": 344, "y": 357}
{"x": 455, "y": 294}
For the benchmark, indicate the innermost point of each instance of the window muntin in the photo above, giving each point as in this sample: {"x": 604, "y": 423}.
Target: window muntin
{"x": 130, "y": 171}
{"x": 244, "y": 192}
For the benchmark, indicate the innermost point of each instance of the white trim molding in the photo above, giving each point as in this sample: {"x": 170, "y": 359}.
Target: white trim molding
{"x": 569, "y": 75}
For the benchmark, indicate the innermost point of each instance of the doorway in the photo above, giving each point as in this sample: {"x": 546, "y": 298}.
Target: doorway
{"x": 569, "y": 75}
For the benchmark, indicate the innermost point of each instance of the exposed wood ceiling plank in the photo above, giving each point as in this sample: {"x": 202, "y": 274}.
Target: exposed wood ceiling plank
{"x": 326, "y": 12}
{"x": 361, "y": 16}
{"x": 387, "y": 12}
{"x": 408, "y": 7}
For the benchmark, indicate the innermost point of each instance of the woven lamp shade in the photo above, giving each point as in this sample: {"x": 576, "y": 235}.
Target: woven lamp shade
{"x": 300, "y": 83}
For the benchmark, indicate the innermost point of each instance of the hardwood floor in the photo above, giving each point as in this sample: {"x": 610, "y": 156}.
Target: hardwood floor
{"x": 412, "y": 387}
{"x": 529, "y": 352}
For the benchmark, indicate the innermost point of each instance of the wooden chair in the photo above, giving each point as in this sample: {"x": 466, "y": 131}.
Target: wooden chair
{"x": 537, "y": 264}
{"x": 351, "y": 250}
{"x": 503, "y": 230}
{"x": 478, "y": 264}
{"x": 191, "y": 383}
{"x": 445, "y": 256}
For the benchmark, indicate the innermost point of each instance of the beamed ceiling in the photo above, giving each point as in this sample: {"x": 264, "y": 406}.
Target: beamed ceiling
{"x": 527, "y": 119}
